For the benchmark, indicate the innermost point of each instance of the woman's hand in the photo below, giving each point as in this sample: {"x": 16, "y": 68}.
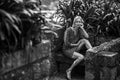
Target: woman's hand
{"x": 79, "y": 42}
{"x": 75, "y": 45}
{"x": 81, "y": 25}
{"x": 84, "y": 33}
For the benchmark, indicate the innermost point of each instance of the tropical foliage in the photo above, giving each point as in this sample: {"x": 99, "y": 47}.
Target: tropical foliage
{"x": 20, "y": 21}
{"x": 100, "y": 16}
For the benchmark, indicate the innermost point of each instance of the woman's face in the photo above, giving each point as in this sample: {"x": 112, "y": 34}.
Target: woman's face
{"x": 78, "y": 23}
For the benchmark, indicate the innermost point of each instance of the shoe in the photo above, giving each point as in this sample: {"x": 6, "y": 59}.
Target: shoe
{"x": 68, "y": 72}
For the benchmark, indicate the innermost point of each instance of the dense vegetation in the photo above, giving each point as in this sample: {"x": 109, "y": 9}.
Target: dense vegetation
{"x": 100, "y": 16}
{"x": 20, "y": 22}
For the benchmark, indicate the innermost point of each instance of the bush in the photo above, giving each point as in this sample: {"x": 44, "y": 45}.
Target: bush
{"x": 102, "y": 15}
{"x": 19, "y": 23}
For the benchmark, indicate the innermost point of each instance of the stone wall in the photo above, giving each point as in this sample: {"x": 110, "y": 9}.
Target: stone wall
{"x": 34, "y": 63}
{"x": 103, "y": 64}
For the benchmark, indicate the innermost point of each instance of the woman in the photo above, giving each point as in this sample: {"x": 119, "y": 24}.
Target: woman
{"x": 74, "y": 39}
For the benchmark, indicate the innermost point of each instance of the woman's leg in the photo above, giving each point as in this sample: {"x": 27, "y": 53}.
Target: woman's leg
{"x": 78, "y": 58}
{"x": 87, "y": 44}
{"x": 84, "y": 42}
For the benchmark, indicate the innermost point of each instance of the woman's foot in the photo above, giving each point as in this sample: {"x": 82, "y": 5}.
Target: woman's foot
{"x": 92, "y": 50}
{"x": 68, "y": 72}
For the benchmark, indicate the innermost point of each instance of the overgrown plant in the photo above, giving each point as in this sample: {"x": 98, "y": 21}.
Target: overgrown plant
{"x": 20, "y": 22}
{"x": 99, "y": 14}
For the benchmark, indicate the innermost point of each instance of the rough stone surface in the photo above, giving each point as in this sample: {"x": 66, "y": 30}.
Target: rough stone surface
{"x": 113, "y": 46}
{"x": 103, "y": 65}
{"x": 39, "y": 67}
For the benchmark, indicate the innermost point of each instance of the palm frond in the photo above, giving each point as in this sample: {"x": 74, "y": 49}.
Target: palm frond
{"x": 89, "y": 12}
{"x": 12, "y": 25}
{"x": 18, "y": 22}
{"x": 2, "y": 36}
{"x": 6, "y": 15}
{"x": 15, "y": 40}
{"x": 19, "y": 1}
{"x": 7, "y": 27}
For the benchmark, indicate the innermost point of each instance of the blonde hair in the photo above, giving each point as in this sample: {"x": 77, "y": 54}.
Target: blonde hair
{"x": 76, "y": 18}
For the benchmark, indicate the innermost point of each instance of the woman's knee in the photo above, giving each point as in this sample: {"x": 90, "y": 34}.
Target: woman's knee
{"x": 80, "y": 57}
{"x": 77, "y": 55}
{"x": 84, "y": 40}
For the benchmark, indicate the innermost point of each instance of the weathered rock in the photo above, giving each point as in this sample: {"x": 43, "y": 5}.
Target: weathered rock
{"x": 38, "y": 68}
{"x": 113, "y": 46}
{"x": 104, "y": 64}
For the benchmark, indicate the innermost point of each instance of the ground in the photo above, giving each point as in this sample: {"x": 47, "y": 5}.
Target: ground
{"x": 77, "y": 73}
{"x": 62, "y": 77}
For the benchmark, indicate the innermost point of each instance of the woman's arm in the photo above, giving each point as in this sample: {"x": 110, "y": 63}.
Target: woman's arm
{"x": 74, "y": 45}
{"x": 67, "y": 38}
{"x": 84, "y": 33}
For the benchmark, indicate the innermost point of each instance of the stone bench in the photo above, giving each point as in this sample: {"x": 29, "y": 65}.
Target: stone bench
{"x": 60, "y": 58}
{"x": 104, "y": 65}
{"x": 101, "y": 66}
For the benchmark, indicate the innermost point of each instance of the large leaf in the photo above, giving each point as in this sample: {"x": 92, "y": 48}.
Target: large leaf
{"x": 16, "y": 19}
{"x": 8, "y": 5}
{"x": 7, "y": 26}
{"x": 6, "y": 15}
{"x": 14, "y": 26}
{"x": 15, "y": 40}
{"x": 15, "y": 16}
{"x": 2, "y": 36}
{"x": 90, "y": 12}
{"x": 19, "y": 1}
{"x": 25, "y": 13}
